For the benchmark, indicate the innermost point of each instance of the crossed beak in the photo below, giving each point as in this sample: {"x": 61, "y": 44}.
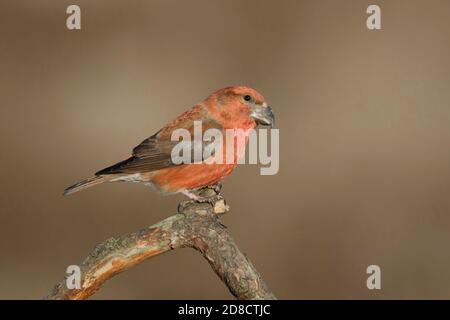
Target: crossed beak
{"x": 263, "y": 115}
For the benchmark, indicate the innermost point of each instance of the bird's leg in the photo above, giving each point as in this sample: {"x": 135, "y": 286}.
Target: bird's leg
{"x": 191, "y": 195}
{"x": 208, "y": 194}
{"x": 200, "y": 197}
{"x": 193, "y": 199}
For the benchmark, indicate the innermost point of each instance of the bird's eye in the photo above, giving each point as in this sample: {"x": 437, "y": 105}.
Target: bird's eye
{"x": 247, "y": 98}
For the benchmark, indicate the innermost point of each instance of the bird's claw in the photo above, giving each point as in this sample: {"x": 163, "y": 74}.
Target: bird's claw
{"x": 211, "y": 200}
{"x": 217, "y": 187}
{"x": 215, "y": 203}
{"x": 208, "y": 195}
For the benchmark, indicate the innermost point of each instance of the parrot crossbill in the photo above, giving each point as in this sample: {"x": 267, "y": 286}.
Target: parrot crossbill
{"x": 151, "y": 163}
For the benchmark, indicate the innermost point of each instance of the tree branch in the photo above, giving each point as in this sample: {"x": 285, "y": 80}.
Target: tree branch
{"x": 197, "y": 225}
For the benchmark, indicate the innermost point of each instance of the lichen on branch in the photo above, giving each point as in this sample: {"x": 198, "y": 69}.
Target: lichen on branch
{"x": 196, "y": 225}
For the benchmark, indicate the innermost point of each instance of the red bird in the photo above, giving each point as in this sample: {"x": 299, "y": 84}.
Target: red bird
{"x": 151, "y": 162}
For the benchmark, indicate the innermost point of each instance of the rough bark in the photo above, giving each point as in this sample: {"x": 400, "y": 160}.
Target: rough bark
{"x": 196, "y": 225}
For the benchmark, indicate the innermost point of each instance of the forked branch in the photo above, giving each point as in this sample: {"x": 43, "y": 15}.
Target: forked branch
{"x": 197, "y": 225}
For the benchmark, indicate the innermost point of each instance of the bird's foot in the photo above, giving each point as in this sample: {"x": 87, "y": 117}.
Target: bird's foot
{"x": 216, "y": 187}
{"x": 211, "y": 200}
{"x": 191, "y": 195}
{"x": 206, "y": 196}
{"x": 209, "y": 194}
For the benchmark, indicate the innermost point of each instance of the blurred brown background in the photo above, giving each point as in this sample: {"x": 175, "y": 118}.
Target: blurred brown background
{"x": 364, "y": 125}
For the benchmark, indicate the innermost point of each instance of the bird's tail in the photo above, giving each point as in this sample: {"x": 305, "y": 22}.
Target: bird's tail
{"x": 85, "y": 184}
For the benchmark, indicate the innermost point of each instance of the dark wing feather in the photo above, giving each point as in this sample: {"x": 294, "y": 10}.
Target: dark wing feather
{"x": 154, "y": 153}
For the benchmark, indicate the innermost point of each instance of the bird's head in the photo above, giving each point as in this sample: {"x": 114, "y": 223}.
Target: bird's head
{"x": 236, "y": 104}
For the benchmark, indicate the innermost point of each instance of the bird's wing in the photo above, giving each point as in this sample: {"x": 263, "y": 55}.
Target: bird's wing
{"x": 154, "y": 153}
